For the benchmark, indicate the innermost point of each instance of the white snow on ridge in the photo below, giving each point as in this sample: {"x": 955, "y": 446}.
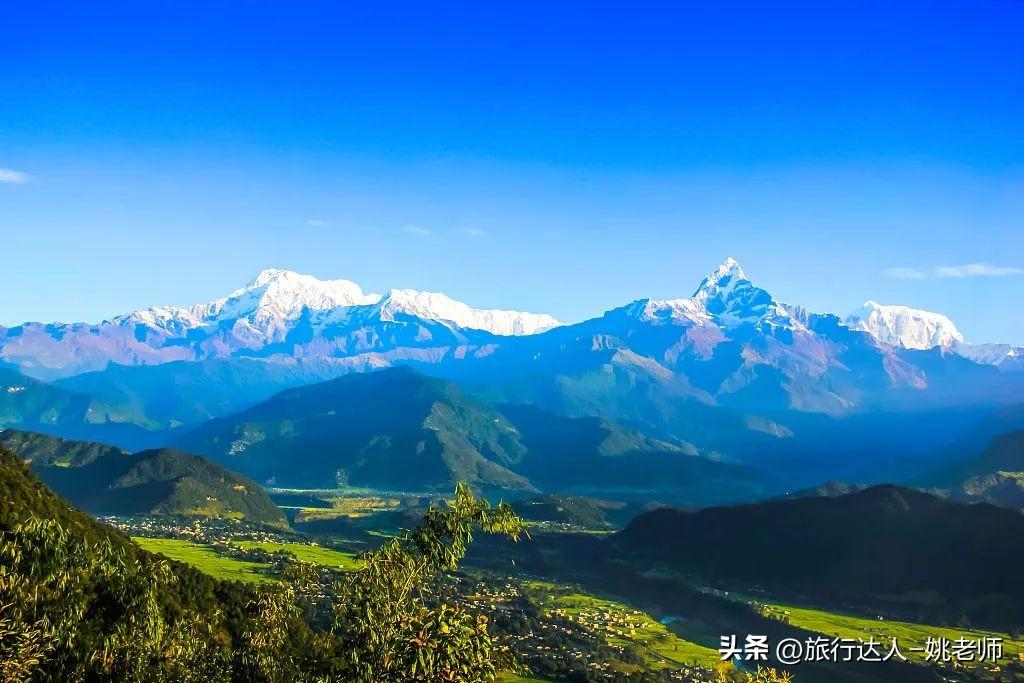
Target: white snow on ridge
{"x": 989, "y": 354}
{"x": 437, "y": 306}
{"x": 909, "y": 328}
{"x": 727, "y": 298}
{"x": 912, "y": 328}
{"x": 672, "y": 310}
{"x": 268, "y": 304}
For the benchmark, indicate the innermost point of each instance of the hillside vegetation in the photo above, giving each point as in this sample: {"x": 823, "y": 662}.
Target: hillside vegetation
{"x": 80, "y": 602}
{"x": 995, "y": 476}
{"x": 399, "y": 430}
{"x": 108, "y": 481}
{"x": 30, "y": 404}
{"x": 886, "y": 548}
{"x": 393, "y": 429}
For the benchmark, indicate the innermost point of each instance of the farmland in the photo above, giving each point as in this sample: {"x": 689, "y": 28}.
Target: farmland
{"x": 204, "y": 558}
{"x": 327, "y": 557}
{"x": 910, "y": 636}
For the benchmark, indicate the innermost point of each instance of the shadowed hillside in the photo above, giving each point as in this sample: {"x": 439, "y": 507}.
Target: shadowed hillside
{"x": 885, "y": 547}
{"x": 106, "y": 480}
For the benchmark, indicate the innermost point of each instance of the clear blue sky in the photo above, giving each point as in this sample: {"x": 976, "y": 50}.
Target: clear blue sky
{"x": 562, "y": 159}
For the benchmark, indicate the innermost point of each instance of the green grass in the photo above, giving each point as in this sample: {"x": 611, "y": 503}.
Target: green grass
{"x": 352, "y": 507}
{"x": 508, "y": 677}
{"x": 327, "y": 557}
{"x": 203, "y": 557}
{"x": 907, "y": 634}
{"x": 622, "y": 625}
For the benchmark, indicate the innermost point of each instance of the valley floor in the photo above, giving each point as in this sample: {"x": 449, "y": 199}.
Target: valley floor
{"x": 562, "y": 630}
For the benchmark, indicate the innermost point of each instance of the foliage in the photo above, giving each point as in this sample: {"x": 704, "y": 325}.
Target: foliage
{"x": 106, "y": 480}
{"x": 78, "y": 602}
{"x": 389, "y": 626}
{"x": 72, "y": 610}
{"x": 762, "y": 675}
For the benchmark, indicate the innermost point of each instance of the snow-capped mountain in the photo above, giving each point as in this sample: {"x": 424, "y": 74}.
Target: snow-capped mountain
{"x": 730, "y": 343}
{"x": 729, "y": 369}
{"x": 906, "y": 327}
{"x": 725, "y": 299}
{"x": 1002, "y": 355}
{"x": 437, "y": 306}
{"x": 911, "y": 328}
{"x": 278, "y": 314}
{"x": 277, "y": 298}
{"x": 264, "y": 307}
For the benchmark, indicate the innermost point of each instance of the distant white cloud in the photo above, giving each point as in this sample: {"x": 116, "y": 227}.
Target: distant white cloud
{"x": 966, "y": 270}
{"x": 474, "y": 232}
{"x": 976, "y": 270}
{"x": 905, "y": 273}
{"x": 418, "y": 231}
{"x": 9, "y": 175}
{"x": 317, "y": 223}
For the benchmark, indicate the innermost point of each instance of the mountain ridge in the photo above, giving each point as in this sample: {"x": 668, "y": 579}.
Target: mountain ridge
{"x": 107, "y": 480}
{"x": 885, "y": 547}
{"x": 281, "y": 313}
{"x": 402, "y": 430}
{"x": 731, "y": 369}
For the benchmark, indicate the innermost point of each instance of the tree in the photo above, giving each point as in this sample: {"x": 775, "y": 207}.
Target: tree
{"x": 79, "y": 602}
{"x": 391, "y": 627}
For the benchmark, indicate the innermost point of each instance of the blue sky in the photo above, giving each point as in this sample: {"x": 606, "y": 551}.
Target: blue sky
{"x": 558, "y": 159}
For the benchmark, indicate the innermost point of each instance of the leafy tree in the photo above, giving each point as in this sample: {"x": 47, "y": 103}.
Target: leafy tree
{"x": 78, "y": 602}
{"x": 389, "y": 625}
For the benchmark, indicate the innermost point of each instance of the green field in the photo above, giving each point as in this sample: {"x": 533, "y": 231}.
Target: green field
{"x": 907, "y": 634}
{"x": 327, "y": 557}
{"x": 506, "y": 677}
{"x": 205, "y": 559}
{"x": 622, "y": 625}
{"x": 326, "y": 504}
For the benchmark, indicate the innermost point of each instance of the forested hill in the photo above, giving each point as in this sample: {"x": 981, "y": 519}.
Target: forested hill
{"x": 884, "y": 546}
{"x": 106, "y": 480}
{"x": 83, "y": 602}
{"x": 80, "y": 602}
{"x": 43, "y": 450}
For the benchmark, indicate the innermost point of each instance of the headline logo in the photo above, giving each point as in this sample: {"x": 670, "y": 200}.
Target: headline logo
{"x": 789, "y": 651}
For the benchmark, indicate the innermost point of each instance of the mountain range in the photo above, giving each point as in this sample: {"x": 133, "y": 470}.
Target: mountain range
{"x": 281, "y": 314}
{"x": 401, "y": 430}
{"x": 277, "y": 315}
{"x": 729, "y": 373}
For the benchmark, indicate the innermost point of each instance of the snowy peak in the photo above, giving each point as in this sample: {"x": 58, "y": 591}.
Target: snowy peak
{"x": 725, "y": 297}
{"x": 283, "y": 293}
{"x": 265, "y": 304}
{"x": 726, "y": 282}
{"x": 268, "y": 305}
{"x": 269, "y": 275}
{"x": 728, "y": 271}
{"x": 905, "y": 327}
{"x": 437, "y": 306}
